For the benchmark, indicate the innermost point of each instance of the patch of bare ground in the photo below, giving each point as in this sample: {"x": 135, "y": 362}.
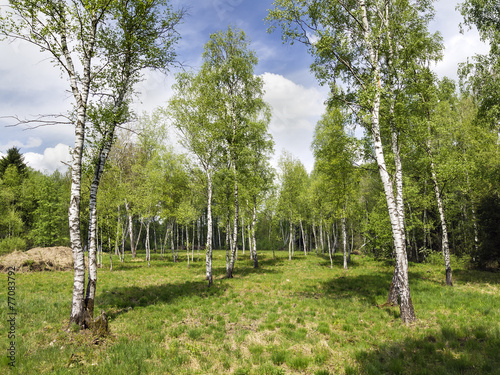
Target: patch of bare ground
{"x": 58, "y": 258}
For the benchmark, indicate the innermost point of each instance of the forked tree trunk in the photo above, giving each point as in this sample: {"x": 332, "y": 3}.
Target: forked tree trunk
{"x": 77, "y": 314}
{"x": 406, "y": 304}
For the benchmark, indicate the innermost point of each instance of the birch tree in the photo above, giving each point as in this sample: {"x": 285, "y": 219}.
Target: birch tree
{"x": 192, "y": 112}
{"x": 363, "y": 43}
{"x": 335, "y": 153}
{"x": 241, "y": 110}
{"x": 68, "y": 33}
{"x": 72, "y": 33}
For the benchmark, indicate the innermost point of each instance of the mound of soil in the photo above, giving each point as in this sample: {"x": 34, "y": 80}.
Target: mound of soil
{"x": 39, "y": 259}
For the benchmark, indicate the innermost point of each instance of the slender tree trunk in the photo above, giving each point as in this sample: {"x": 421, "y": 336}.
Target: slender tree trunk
{"x": 209, "y": 229}
{"x": 192, "y": 244}
{"x": 253, "y": 249}
{"x": 335, "y": 239}
{"x": 315, "y": 239}
{"x": 172, "y": 245}
{"x": 234, "y": 244}
{"x": 344, "y": 239}
{"x": 290, "y": 242}
{"x": 77, "y": 314}
{"x": 303, "y": 237}
{"x": 139, "y": 235}
{"x": 198, "y": 222}
{"x": 131, "y": 231}
{"x": 243, "y": 233}
{"x": 148, "y": 245}
{"x": 329, "y": 249}
{"x": 321, "y": 241}
{"x": 444, "y": 227}
{"x": 187, "y": 245}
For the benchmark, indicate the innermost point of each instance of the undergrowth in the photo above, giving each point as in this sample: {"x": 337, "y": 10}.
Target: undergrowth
{"x": 287, "y": 317}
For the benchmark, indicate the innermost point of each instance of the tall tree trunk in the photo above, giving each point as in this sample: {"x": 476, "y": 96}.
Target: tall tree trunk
{"x": 315, "y": 239}
{"x": 254, "y": 242}
{"x": 329, "y": 249}
{"x": 92, "y": 229}
{"x": 234, "y": 244}
{"x": 403, "y": 286}
{"x": 209, "y": 229}
{"x": 187, "y": 245}
{"x": 243, "y": 233}
{"x": 444, "y": 227}
{"x": 290, "y": 242}
{"x": 304, "y": 242}
{"x": 344, "y": 239}
{"x": 77, "y": 314}
{"x": 321, "y": 241}
{"x": 148, "y": 245}
{"x": 131, "y": 230}
{"x": 139, "y": 235}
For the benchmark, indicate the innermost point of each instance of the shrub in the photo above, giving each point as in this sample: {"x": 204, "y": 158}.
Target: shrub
{"x": 8, "y": 245}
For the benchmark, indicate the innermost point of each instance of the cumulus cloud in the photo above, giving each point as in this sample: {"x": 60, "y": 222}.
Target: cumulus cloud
{"x": 52, "y": 159}
{"x": 293, "y": 106}
{"x": 296, "y": 110}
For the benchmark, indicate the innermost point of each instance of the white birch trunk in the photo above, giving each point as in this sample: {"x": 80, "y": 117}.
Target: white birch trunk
{"x": 406, "y": 304}
{"x": 303, "y": 237}
{"x": 77, "y": 314}
{"x": 209, "y": 229}
{"x": 234, "y": 243}
{"x": 187, "y": 245}
{"x": 148, "y": 245}
{"x": 444, "y": 227}
{"x": 329, "y": 249}
{"x": 254, "y": 242}
{"x": 344, "y": 239}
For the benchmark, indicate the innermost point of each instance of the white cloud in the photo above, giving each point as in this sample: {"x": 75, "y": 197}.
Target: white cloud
{"x": 32, "y": 142}
{"x": 457, "y": 48}
{"x": 294, "y": 106}
{"x": 53, "y": 158}
{"x": 296, "y": 110}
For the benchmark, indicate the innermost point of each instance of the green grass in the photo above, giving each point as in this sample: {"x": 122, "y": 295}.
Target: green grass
{"x": 298, "y": 317}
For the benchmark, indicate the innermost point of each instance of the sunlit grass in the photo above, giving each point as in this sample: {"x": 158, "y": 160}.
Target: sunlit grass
{"x": 298, "y": 317}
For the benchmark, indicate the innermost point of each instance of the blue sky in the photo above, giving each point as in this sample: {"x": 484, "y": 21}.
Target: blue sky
{"x": 31, "y": 85}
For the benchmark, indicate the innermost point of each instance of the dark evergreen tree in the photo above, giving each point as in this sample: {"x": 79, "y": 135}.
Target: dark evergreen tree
{"x": 13, "y": 157}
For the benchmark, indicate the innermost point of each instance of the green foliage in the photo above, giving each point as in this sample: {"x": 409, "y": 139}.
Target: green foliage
{"x": 15, "y": 158}
{"x": 10, "y": 244}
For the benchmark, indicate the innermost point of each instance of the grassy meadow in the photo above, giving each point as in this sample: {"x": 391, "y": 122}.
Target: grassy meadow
{"x": 287, "y": 317}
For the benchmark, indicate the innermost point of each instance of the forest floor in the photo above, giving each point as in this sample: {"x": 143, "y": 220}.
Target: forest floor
{"x": 287, "y": 317}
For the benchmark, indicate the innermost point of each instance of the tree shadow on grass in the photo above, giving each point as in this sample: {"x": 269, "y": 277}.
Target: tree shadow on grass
{"x": 338, "y": 261}
{"x": 476, "y": 276}
{"x": 471, "y": 350}
{"x": 371, "y": 288}
{"x": 120, "y": 300}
